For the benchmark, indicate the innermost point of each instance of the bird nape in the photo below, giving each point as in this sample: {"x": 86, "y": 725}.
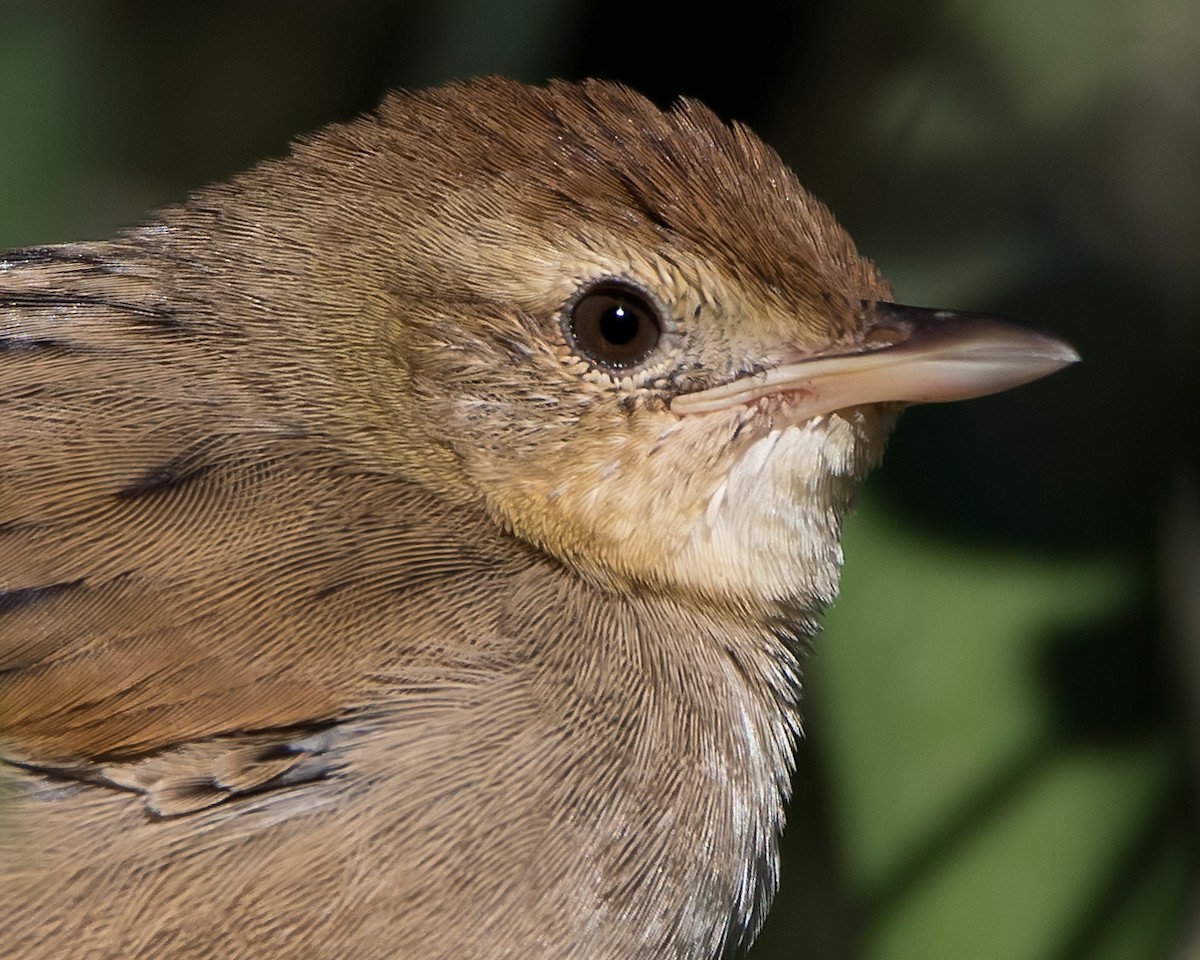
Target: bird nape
{"x": 406, "y": 547}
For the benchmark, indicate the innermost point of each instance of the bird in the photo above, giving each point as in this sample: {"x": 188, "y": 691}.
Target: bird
{"x": 408, "y": 547}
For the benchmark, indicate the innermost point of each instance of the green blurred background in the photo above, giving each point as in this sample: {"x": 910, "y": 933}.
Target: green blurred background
{"x": 1004, "y": 711}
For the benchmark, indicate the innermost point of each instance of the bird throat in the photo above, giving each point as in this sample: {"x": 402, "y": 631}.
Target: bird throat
{"x": 770, "y": 532}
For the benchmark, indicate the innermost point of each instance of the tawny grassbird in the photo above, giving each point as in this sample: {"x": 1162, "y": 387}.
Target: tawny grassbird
{"x": 406, "y": 546}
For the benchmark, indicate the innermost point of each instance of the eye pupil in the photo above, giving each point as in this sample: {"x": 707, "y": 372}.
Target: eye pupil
{"x": 613, "y": 324}
{"x": 619, "y": 326}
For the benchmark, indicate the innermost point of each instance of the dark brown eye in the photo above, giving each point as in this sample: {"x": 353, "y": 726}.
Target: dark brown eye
{"x": 614, "y": 325}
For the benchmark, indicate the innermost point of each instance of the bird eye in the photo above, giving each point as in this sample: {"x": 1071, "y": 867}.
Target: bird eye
{"x": 614, "y": 325}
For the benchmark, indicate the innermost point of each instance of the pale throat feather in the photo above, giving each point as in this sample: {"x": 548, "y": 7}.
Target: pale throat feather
{"x": 771, "y": 528}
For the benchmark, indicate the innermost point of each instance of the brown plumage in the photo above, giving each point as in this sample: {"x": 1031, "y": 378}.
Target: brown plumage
{"x": 406, "y": 547}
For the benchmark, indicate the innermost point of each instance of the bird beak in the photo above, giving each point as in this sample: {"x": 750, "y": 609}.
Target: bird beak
{"x": 900, "y": 355}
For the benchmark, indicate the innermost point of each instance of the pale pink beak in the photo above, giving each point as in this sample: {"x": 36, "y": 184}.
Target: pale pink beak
{"x": 902, "y": 355}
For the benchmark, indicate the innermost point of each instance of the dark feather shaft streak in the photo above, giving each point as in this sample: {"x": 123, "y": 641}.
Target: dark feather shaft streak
{"x": 23, "y": 598}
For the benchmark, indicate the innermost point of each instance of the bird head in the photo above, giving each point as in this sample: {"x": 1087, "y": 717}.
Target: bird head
{"x": 630, "y": 334}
